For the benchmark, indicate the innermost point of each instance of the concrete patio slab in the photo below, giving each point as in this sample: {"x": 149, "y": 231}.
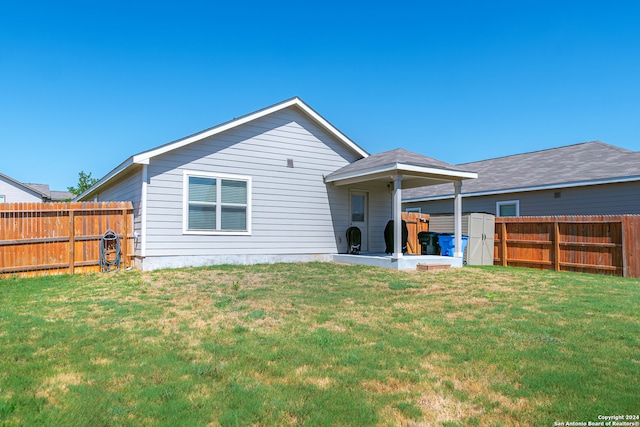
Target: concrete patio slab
{"x": 407, "y": 262}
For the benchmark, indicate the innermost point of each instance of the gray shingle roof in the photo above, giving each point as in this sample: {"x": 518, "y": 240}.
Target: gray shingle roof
{"x": 399, "y": 155}
{"x": 58, "y": 196}
{"x": 588, "y": 161}
{"x": 40, "y": 188}
{"x": 50, "y": 195}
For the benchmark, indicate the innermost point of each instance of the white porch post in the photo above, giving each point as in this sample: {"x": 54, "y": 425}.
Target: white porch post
{"x": 457, "y": 218}
{"x": 397, "y": 217}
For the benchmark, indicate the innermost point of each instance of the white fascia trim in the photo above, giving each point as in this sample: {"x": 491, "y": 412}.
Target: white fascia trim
{"x": 527, "y": 189}
{"x": 395, "y": 168}
{"x": 436, "y": 171}
{"x": 108, "y": 177}
{"x": 361, "y": 173}
{"x": 332, "y": 129}
{"x": 144, "y": 157}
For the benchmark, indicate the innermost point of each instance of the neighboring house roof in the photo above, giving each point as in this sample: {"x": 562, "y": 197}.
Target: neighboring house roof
{"x": 416, "y": 169}
{"x": 587, "y": 163}
{"x": 145, "y": 156}
{"x": 49, "y": 195}
{"x": 40, "y": 190}
{"x": 57, "y": 196}
{"x": 29, "y": 188}
{"x": 43, "y": 189}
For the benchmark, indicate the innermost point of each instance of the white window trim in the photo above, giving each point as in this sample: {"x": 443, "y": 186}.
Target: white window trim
{"x": 2, "y": 198}
{"x": 415, "y": 210}
{"x": 508, "y": 202}
{"x": 185, "y": 203}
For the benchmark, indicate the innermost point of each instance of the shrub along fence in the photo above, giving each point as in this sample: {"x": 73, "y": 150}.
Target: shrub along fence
{"x": 601, "y": 244}
{"x": 58, "y": 238}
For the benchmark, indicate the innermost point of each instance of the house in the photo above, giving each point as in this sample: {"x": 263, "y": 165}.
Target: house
{"x": 13, "y": 191}
{"x": 277, "y": 185}
{"x": 591, "y": 178}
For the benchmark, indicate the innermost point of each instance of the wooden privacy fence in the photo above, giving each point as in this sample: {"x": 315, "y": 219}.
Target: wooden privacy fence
{"x": 56, "y": 238}
{"x": 591, "y": 244}
{"x": 416, "y": 222}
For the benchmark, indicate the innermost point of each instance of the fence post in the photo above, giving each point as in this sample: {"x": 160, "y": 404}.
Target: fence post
{"x": 72, "y": 241}
{"x": 125, "y": 238}
{"x": 623, "y": 239}
{"x": 503, "y": 243}
{"x": 630, "y": 243}
{"x": 556, "y": 245}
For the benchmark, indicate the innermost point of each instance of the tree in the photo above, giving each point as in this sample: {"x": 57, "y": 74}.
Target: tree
{"x": 84, "y": 183}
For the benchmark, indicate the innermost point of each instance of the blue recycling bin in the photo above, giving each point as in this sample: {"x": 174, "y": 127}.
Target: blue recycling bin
{"x": 447, "y": 244}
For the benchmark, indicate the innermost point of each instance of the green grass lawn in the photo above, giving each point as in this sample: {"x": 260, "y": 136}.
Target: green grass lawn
{"x": 318, "y": 344}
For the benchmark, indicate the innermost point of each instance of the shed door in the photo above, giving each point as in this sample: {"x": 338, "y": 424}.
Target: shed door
{"x": 476, "y": 239}
{"x": 488, "y": 242}
{"x": 358, "y": 215}
{"x": 480, "y": 248}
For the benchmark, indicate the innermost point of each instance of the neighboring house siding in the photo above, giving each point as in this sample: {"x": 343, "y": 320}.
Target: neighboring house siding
{"x": 445, "y": 206}
{"x": 127, "y": 189}
{"x": 13, "y": 193}
{"x": 605, "y": 199}
{"x": 290, "y": 206}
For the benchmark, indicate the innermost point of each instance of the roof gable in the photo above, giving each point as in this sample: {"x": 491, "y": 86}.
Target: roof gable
{"x": 145, "y": 156}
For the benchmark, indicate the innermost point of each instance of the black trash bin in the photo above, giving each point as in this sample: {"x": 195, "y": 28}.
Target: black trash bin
{"x": 428, "y": 241}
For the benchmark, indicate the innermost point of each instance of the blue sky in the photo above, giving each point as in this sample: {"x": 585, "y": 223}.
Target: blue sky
{"x": 84, "y": 85}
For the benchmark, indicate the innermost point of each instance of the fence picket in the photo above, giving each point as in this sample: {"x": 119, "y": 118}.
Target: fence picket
{"x": 57, "y": 238}
{"x": 416, "y": 223}
{"x": 603, "y": 244}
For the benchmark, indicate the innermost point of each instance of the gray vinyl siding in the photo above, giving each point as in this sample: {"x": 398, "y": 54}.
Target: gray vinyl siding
{"x": 291, "y": 213}
{"x": 379, "y": 213}
{"x": 127, "y": 189}
{"x": 604, "y": 199}
{"x": 13, "y": 193}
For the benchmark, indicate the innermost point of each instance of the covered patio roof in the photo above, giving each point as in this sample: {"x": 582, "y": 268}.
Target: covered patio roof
{"x": 406, "y": 170}
{"x": 416, "y": 170}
